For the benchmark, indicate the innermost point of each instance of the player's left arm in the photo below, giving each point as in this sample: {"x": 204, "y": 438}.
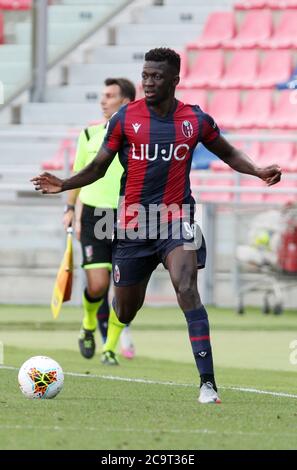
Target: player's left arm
{"x": 240, "y": 162}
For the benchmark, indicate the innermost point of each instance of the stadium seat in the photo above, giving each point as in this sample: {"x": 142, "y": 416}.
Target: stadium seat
{"x": 219, "y": 165}
{"x": 284, "y": 114}
{"x": 58, "y": 160}
{"x": 183, "y": 64}
{"x": 194, "y": 97}
{"x": 207, "y": 69}
{"x": 15, "y": 4}
{"x": 255, "y": 110}
{"x": 1, "y": 29}
{"x": 281, "y": 153}
{"x": 224, "y": 106}
{"x": 256, "y": 26}
{"x": 282, "y": 198}
{"x": 241, "y": 71}
{"x": 224, "y": 196}
{"x": 197, "y": 181}
{"x": 220, "y": 26}
{"x": 277, "y": 65}
{"x": 250, "y": 147}
{"x": 285, "y": 33}
{"x": 252, "y": 183}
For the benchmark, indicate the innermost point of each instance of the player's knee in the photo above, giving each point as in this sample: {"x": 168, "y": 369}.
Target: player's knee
{"x": 186, "y": 291}
{"x": 125, "y": 312}
{"x": 96, "y": 289}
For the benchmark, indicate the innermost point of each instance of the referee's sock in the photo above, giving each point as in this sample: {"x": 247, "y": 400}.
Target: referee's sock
{"x": 90, "y": 306}
{"x": 198, "y": 327}
{"x": 114, "y": 330}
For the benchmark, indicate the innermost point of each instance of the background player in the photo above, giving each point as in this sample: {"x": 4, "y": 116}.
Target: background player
{"x": 155, "y": 138}
{"x": 96, "y": 252}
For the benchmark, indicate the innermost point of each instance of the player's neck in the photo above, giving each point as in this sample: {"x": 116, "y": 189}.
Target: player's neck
{"x": 164, "y": 108}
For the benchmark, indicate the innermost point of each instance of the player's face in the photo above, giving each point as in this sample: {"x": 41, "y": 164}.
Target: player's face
{"x": 158, "y": 82}
{"x": 111, "y": 100}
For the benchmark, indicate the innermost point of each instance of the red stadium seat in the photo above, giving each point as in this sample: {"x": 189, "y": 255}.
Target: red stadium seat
{"x": 220, "y": 26}
{"x": 284, "y": 114}
{"x": 183, "y": 64}
{"x": 281, "y": 153}
{"x": 207, "y": 69}
{"x": 197, "y": 181}
{"x": 285, "y": 33}
{"x": 241, "y": 71}
{"x": 250, "y": 147}
{"x": 219, "y": 165}
{"x": 255, "y": 110}
{"x": 276, "y": 67}
{"x": 257, "y": 26}
{"x": 252, "y": 183}
{"x": 1, "y": 29}
{"x": 224, "y": 196}
{"x": 195, "y": 97}
{"x": 15, "y": 4}
{"x": 282, "y": 198}
{"x": 58, "y": 160}
{"x": 224, "y": 106}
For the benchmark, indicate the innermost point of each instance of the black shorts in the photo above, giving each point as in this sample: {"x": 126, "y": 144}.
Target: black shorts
{"x": 97, "y": 253}
{"x": 135, "y": 261}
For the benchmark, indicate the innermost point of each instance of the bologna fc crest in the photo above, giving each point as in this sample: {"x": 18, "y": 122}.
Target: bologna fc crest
{"x": 89, "y": 253}
{"x": 187, "y": 129}
{"x": 116, "y": 274}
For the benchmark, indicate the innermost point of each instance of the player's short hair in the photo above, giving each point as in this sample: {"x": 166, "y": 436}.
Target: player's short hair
{"x": 126, "y": 86}
{"x": 164, "y": 54}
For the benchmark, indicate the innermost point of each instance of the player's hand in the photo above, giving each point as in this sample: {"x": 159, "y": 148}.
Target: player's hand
{"x": 68, "y": 219}
{"x": 270, "y": 174}
{"x": 47, "y": 183}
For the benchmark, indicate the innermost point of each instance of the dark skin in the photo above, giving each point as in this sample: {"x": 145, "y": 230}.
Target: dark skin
{"x": 159, "y": 81}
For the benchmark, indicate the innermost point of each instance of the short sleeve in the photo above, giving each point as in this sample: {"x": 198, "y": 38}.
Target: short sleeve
{"x": 210, "y": 130}
{"x": 81, "y": 153}
{"x": 114, "y": 133}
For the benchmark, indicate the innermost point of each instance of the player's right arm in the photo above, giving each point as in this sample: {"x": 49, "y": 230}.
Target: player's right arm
{"x": 96, "y": 169}
{"x": 48, "y": 183}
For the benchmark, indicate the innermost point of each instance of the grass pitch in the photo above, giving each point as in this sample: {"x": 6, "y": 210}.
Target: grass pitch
{"x": 151, "y": 402}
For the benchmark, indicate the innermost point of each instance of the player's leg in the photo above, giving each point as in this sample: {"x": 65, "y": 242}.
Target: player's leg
{"x": 127, "y": 344}
{"x": 97, "y": 265}
{"x": 131, "y": 276}
{"x": 182, "y": 266}
{"x": 126, "y": 303}
{"x": 93, "y": 295}
{"x": 102, "y": 317}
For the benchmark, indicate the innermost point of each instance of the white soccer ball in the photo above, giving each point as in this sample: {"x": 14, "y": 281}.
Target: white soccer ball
{"x": 41, "y": 377}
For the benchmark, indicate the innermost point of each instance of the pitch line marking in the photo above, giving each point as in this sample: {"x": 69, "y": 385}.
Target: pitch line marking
{"x": 133, "y": 430}
{"x": 174, "y": 384}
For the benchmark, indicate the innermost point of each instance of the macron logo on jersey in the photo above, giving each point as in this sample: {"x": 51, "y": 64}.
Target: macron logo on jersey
{"x": 136, "y": 127}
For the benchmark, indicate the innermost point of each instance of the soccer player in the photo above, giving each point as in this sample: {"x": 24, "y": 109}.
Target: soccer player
{"x": 155, "y": 138}
{"x": 103, "y": 194}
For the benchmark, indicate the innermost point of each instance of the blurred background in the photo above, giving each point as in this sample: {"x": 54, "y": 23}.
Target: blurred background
{"x": 239, "y": 63}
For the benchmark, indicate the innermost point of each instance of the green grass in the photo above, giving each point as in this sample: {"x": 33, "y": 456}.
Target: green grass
{"x": 96, "y": 412}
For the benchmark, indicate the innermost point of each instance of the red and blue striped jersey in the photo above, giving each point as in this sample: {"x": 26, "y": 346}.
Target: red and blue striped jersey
{"x": 156, "y": 152}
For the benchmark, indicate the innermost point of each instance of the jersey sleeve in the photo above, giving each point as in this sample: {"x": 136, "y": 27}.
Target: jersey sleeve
{"x": 210, "y": 130}
{"x": 114, "y": 133}
{"x": 81, "y": 153}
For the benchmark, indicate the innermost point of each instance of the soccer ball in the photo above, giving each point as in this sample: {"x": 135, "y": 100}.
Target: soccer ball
{"x": 40, "y": 377}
